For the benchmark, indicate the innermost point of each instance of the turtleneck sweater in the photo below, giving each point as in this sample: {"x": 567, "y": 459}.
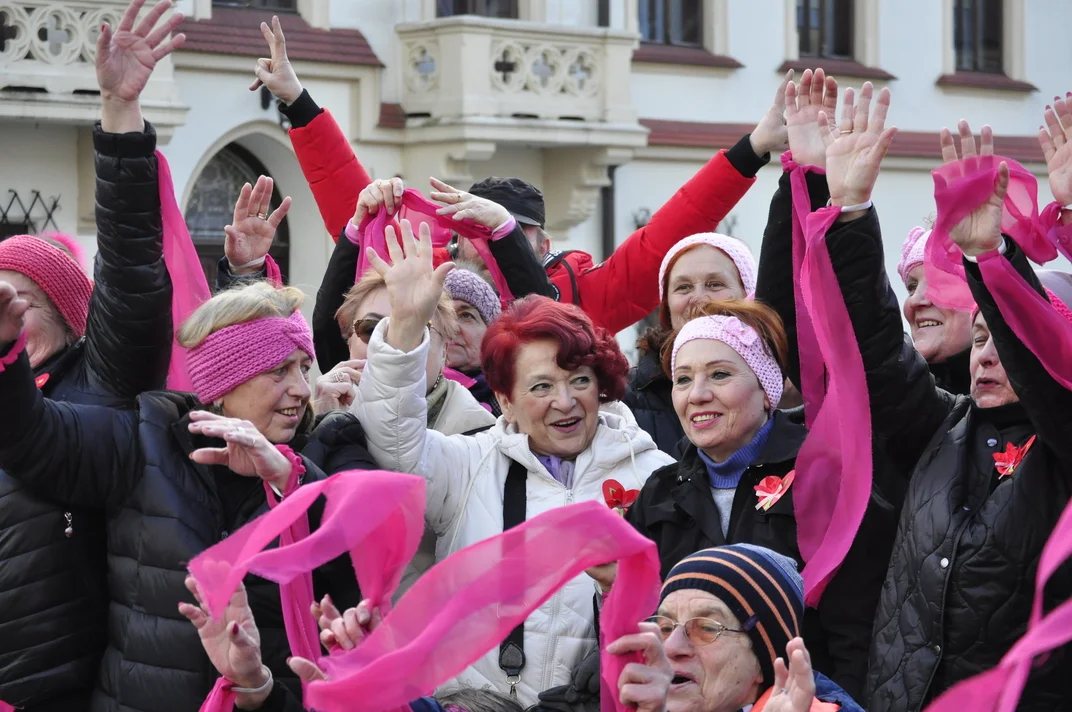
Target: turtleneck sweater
{"x": 725, "y": 476}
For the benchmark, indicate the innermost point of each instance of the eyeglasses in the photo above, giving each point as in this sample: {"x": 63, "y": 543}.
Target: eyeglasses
{"x": 364, "y": 328}
{"x": 699, "y": 631}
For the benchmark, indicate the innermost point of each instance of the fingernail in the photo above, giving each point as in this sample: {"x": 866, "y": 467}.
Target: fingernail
{"x": 234, "y": 629}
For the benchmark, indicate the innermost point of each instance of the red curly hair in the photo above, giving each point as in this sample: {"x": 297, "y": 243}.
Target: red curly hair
{"x": 580, "y": 343}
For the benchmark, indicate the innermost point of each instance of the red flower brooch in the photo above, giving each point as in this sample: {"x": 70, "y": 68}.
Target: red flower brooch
{"x": 771, "y": 488}
{"x": 1008, "y": 461}
{"x": 617, "y": 497}
{"x": 41, "y": 380}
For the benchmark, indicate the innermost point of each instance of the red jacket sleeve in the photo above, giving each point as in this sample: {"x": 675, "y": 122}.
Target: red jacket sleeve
{"x": 332, "y": 170}
{"x": 623, "y": 290}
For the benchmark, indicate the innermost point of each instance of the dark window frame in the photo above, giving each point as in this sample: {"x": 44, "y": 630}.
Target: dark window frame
{"x": 656, "y": 20}
{"x": 833, "y": 33}
{"x": 978, "y": 36}
{"x": 289, "y": 6}
{"x": 453, "y": 8}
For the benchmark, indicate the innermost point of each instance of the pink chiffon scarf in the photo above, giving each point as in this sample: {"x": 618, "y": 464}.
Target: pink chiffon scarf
{"x": 461, "y": 608}
{"x": 834, "y": 466}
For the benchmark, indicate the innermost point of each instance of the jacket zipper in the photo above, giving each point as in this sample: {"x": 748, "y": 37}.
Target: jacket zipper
{"x": 552, "y": 641}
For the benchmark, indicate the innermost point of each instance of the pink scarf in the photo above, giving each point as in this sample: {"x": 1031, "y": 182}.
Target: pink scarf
{"x": 4, "y": 707}
{"x": 463, "y": 607}
{"x": 188, "y": 284}
{"x": 834, "y": 466}
{"x": 961, "y": 187}
{"x": 417, "y": 209}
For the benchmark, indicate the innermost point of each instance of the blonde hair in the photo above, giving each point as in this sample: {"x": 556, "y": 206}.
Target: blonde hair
{"x": 259, "y": 300}
{"x": 445, "y": 319}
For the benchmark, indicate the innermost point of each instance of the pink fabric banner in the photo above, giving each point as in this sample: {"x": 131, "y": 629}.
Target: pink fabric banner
{"x": 4, "y": 707}
{"x": 417, "y": 209}
{"x": 188, "y": 284}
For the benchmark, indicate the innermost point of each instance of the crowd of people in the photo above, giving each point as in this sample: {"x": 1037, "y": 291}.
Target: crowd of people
{"x": 844, "y": 518}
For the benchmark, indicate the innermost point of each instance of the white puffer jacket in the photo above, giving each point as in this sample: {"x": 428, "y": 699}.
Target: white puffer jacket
{"x": 466, "y": 476}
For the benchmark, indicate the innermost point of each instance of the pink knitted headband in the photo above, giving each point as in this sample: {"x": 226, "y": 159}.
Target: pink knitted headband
{"x": 233, "y": 355}
{"x": 743, "y": 339}
{"x": 912, "y": 251}
{"x": 55, "y": 272}
{"x": 734, "y": 249}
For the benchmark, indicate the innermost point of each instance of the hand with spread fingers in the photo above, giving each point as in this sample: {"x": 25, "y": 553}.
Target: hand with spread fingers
{"x": 980, "y": 231}
{"x": 250, "y": 235}
{"x": 461, "y": 205}
{"x": 855, "y": 148}
{"x": 13, "y": 310}
{"x": 770, "y": 132}
{"x": 816, "y": 92}
{"x": 247, "y": 452}
{"x": 1056, "y": 141}
{"x": 644, "y": 686}
{"x": 385, "y": 194}
{"x": 794, "y": 687}
{"x": 126, "y": 58}
{"x": 337, "y": 389}
{"x": 276, "y": 72}
{"x": 232, "y": 642}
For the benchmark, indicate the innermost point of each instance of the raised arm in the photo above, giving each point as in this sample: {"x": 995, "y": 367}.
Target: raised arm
{"x": 129, "y": 330}
{"x": 248, "y": 239}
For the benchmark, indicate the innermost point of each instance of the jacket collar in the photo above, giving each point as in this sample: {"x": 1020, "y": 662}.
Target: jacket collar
{"x": 55, "y": 368}
{"x": 649, "y": 371}
{"x": 786, "y": 438}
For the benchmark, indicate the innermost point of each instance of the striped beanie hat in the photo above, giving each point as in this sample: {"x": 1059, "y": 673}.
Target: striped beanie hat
{"x": 58, "y": 275}
{"x": 761, "y": 587}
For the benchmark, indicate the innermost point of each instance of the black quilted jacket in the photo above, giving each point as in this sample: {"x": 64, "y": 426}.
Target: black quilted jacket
{"x": 53, "y": 596}
{"x": 959, "y": 587}
{"x": 162, "y": 510}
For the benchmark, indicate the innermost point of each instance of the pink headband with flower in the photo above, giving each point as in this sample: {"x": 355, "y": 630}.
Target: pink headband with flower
{"x": 743, "y": 339}
{"x": 736, "y": 250}
{"x": 912, "y": 251}
{"x": 233, "y": 355}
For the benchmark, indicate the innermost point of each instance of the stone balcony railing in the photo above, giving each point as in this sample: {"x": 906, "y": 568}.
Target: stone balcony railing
{"x": 47, "y": 53}
{"x": 467, "y": 66}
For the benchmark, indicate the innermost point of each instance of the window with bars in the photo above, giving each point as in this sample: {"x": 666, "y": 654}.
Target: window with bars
{"x": 506, "y": 9}
{"x": 825, "y": 28}
{"x": 977, "y": 35}
{"x": 281, "y": 5}
{"x": 672, "y": 22}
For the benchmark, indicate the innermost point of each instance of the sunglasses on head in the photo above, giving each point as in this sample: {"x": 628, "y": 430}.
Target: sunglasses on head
{"x": 364, "y": 328}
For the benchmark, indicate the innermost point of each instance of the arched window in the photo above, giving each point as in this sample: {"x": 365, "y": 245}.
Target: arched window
{"x": 211, "y": 207}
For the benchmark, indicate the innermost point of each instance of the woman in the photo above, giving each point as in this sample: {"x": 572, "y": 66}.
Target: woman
{"x": 477, "y": 306}
{"x": 558, "y": 441}
{"x": 717, "y": 267}
{"x": 941, "y": 335}
{"x": 174, "y": 476}
{"x": 960, "y": 584}
{"x": 99, "y": 344}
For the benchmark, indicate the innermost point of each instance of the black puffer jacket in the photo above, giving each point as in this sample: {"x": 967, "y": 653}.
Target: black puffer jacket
{"x": 162, "y": 510}
{"x": 959, "y": 588}
{"x": 648, "y": 395}
{"x": 53, "y": 595}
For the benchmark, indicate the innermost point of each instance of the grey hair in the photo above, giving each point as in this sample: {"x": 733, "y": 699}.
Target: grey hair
{"x": 469, "y": 699}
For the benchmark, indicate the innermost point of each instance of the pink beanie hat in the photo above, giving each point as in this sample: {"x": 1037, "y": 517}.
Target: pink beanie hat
{"x": 912, "y": 251}
{"x": 743, "y": 339}
{"x": 467, "y": 286}
{"x": 52, "y": 269}
{"x": 734, "y": 249}
{"x": 234, "y": 354}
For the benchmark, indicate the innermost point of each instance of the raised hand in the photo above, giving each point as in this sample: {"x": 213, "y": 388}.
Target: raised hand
{"x": 466, "y": 206}
{"x": 1056, "y": 141}
{"x": 13, "y": 310}
{"x": 855, "y": 149}
{"x": 980, "y": 231}
{"x": 794, "y": 688}
{"x": 770, "y": 132}
{"x": 247, "y": 452}
{"x": 414, "y": 286}
{"x": 803, "y": 102}
{"x": 232, "y": 643}
{"x": 250, "y": 236}
{"x": 127, "y": 55}
{"x": 277, "y": 73}
{"x": 646, "y": 685}
{"x": 386, "y": 194}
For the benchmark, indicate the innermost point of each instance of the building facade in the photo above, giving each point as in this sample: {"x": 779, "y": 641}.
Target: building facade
{"x": 607, "y": 105}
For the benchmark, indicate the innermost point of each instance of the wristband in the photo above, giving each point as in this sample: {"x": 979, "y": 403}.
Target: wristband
{"x": 255, "y": 263}
{"x": 852, "y": 208}
{"x": 256, "y": 690}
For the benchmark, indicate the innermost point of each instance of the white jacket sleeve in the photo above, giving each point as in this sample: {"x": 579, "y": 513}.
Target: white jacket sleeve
{"x": 393, "y": 411}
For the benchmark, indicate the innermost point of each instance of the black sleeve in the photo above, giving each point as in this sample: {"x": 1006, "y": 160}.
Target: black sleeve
{"x": 744, "y": 159}
{"x": 338, "y": 444}
{"x": 77, "y": 454}
{"x": 522, "y": 269}
{"x": 907, "y": 408}
{"x": 302, "y": 111}
{"x": 226, "y": 279}
{"x": 129, "y": 331}
{"x": 280, "y": 699}
{"x": 331, "y": 347}
{"x": 1047, "y": 402}
{"x": 775, "y": 279}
